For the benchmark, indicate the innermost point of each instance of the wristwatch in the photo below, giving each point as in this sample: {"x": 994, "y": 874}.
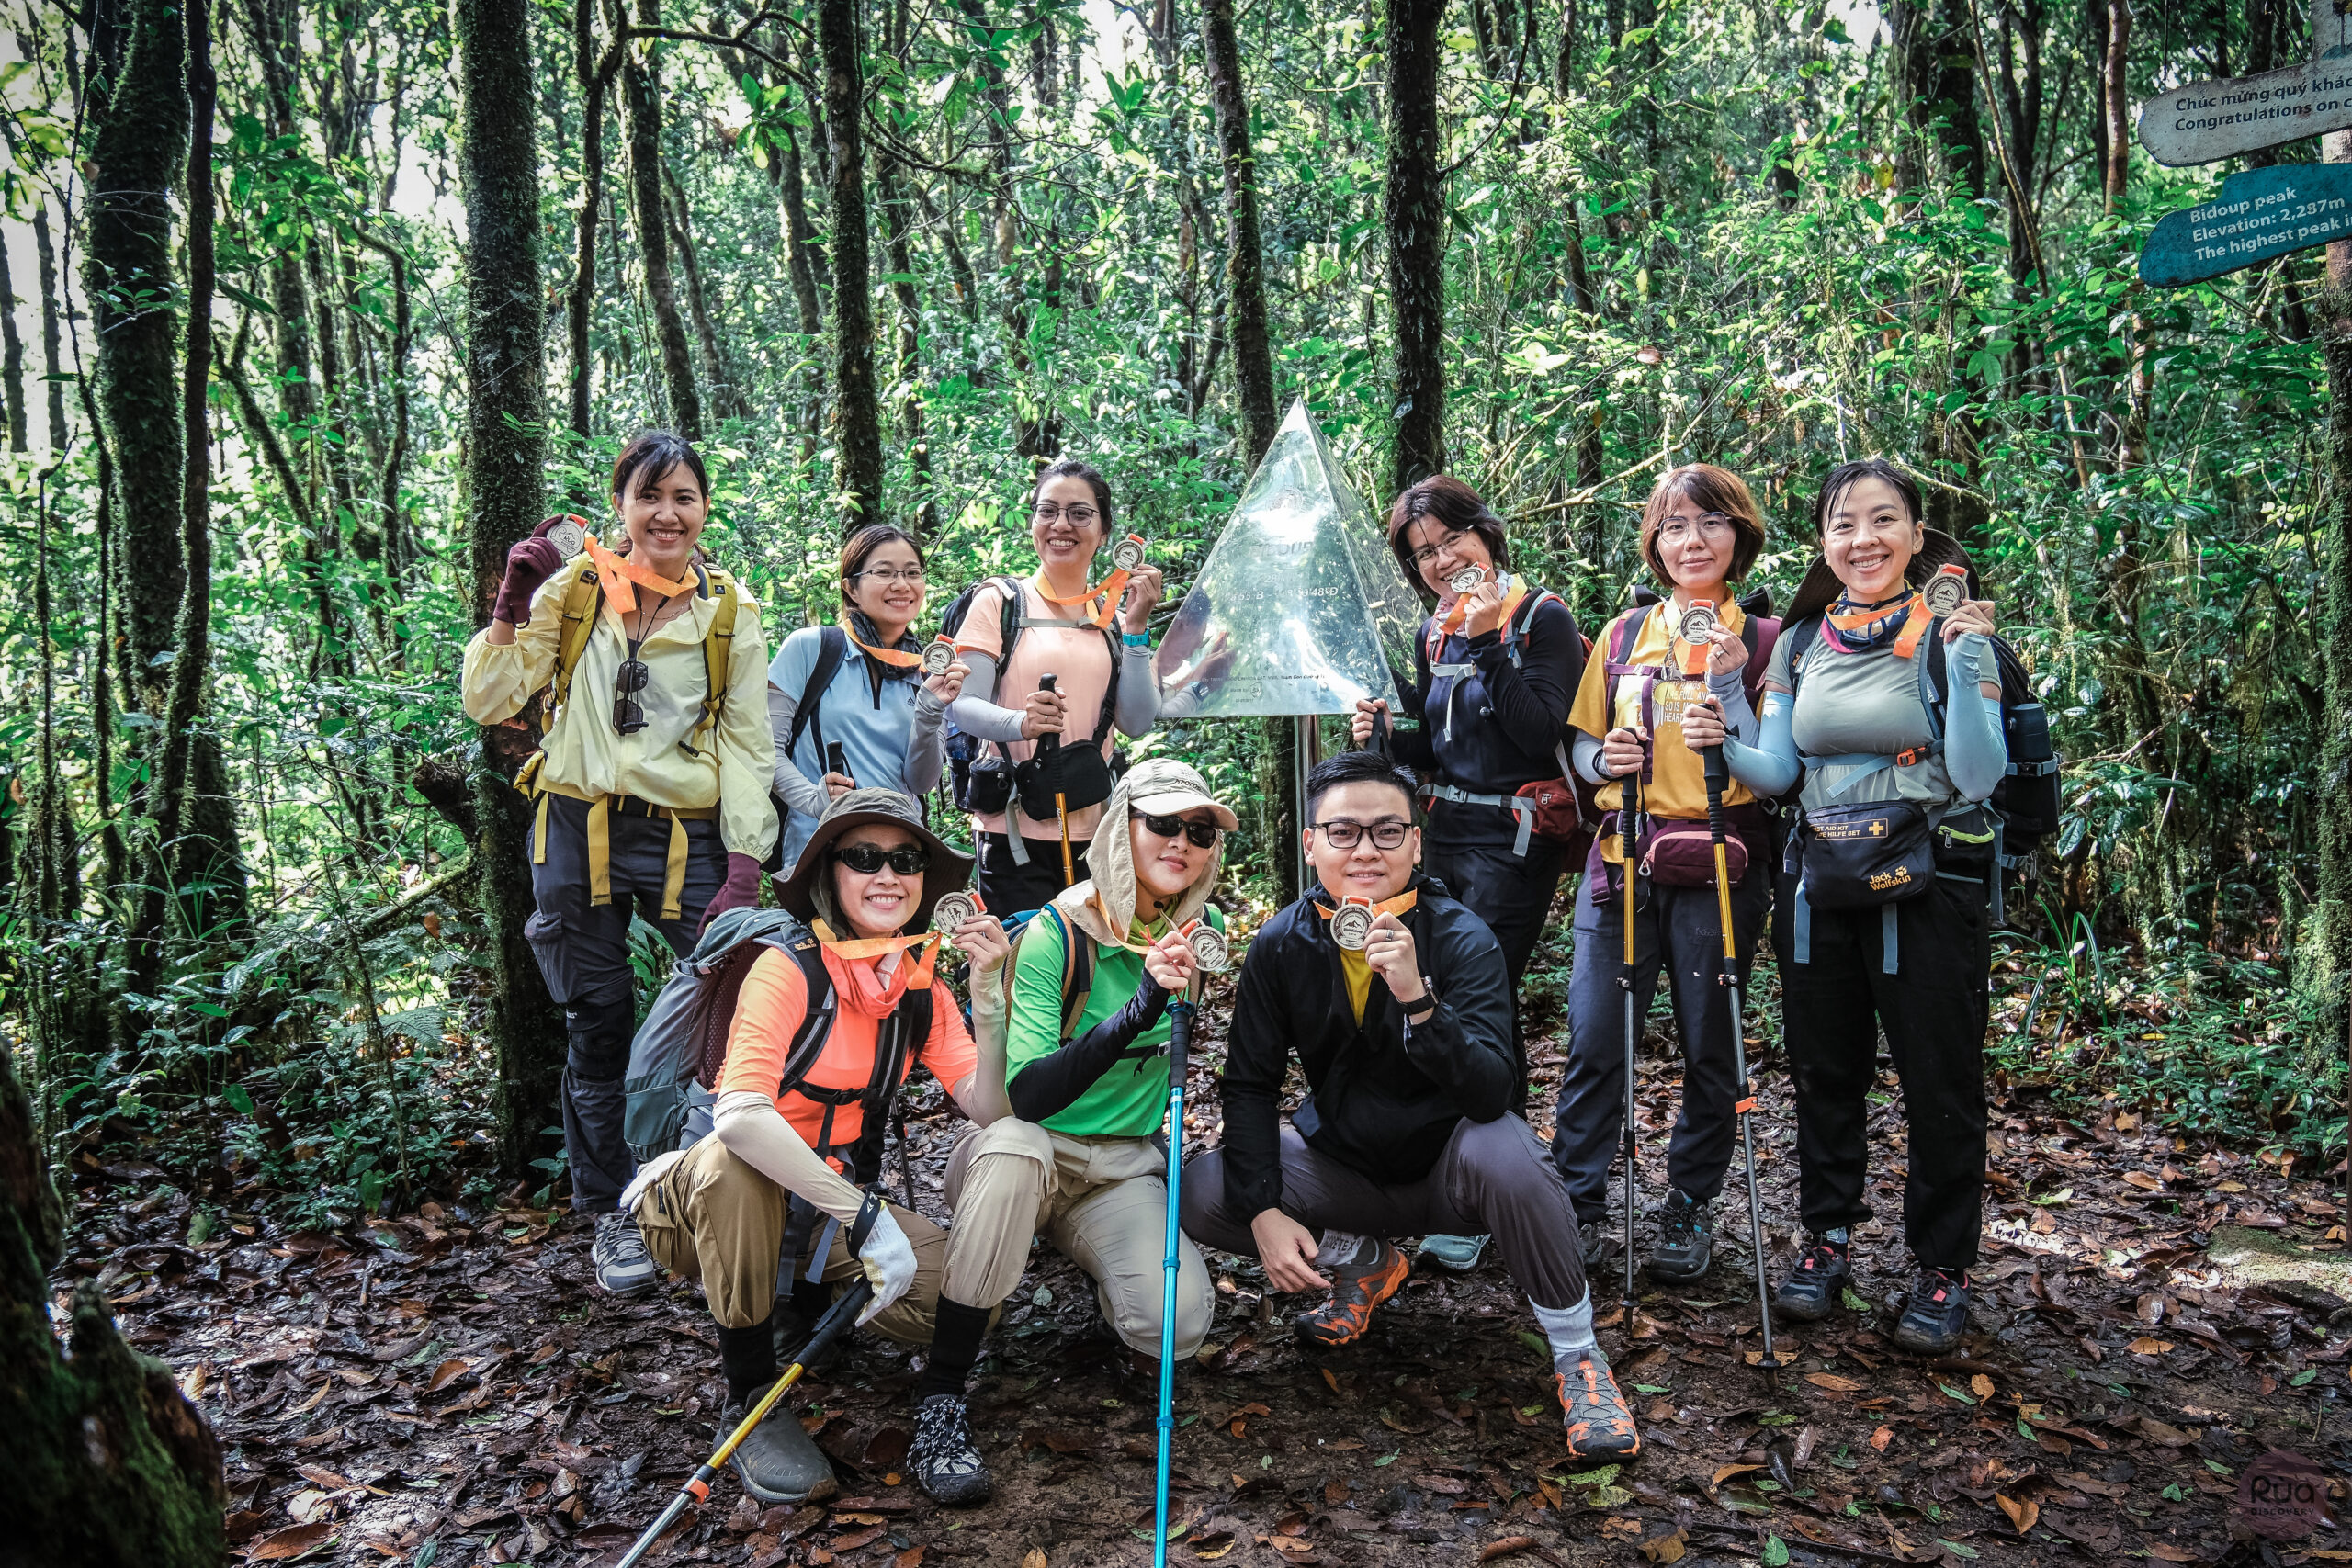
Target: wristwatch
{"x": 1419, "y": 1009}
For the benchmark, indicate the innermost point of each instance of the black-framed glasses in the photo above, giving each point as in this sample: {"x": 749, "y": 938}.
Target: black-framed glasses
{"x": 907, "y": 860}
{"x": 628, "y": 714}
{"x": 1429, "y": 553}
{"x": 1053, "y": 512}
{"x": 1345, "y": 833}
{"x": 1200, "y": 835}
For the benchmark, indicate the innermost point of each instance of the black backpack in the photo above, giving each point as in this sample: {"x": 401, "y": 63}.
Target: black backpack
{"x": 983, "y": 780}
{"x": 2026, "y": 803}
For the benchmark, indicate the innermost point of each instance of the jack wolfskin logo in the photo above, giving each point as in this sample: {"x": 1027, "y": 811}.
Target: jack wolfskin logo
{"x": 1882, "y": 880}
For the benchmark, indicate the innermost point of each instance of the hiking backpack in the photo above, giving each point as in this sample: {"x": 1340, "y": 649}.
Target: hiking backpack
{"x": 983, "y": 783}
{"x": 2027, "y": 804}
{"x": 680, "y": 1049}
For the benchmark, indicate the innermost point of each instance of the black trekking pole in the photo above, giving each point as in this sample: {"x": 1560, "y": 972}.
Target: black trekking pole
{"x": 1718, "y": 779}
{"x": 837, "y": 1318}
{"x": 1628, "y": 821}
{"x": 1050, "y": 747}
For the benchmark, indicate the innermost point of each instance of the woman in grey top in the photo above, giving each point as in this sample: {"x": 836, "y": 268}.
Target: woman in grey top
{"x": 1883, "y": 900}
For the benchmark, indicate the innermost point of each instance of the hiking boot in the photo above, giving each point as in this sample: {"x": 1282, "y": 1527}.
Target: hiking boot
{"x": 1686, "y": 1240}
{"x": 1811, "y": 1288}
{"x": 1592, "y": 1240}
{"x": 1454, "y": 1254}
{"x": 779, "y": 1462}
{"x": 1937, "y": 1314}
{"x": 944, "y": 1460}
{"x": 623, "y": 1266}
{"x": 1356, "y": 1289}
{"x": 1598, "y": 1422}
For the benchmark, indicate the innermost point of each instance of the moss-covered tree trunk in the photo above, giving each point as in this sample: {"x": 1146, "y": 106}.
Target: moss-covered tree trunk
{"x": 1413, "y": 209}
{"x": 108, "y": 1464}
{"x": 1245, "y": 271}
{"x": 856, "y": 413}
{"x": 2324, "y": 968}
{"x": 506, "y": 487}
{"x": 641, "y": 105}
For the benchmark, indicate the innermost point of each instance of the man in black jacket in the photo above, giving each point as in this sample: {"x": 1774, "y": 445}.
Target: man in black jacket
{"x": 1404, "y": 1032}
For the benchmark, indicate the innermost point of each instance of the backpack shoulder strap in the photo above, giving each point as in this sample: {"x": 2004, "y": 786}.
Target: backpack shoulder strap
{"x": 1801, "y": 638}
{"x": 1626, "y": 633}
{"x": 832, "y": 647}
{"x": 1008, "y": 618}
{"x": 817, "y": 1023}
{"x": 717, "y": 657}
{"x": 583, "y": 604}
{"x": 1761, "y": 633}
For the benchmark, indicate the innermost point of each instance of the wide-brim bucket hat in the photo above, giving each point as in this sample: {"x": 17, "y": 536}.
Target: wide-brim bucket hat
{"x": 950, "y": 869}
{"x": 1820, "y": 588}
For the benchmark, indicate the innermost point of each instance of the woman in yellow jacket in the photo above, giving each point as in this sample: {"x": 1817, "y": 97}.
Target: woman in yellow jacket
{"x": 651, "y": 783}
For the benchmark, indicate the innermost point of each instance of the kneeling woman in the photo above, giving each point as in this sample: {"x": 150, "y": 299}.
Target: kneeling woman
{"x": 1895, "y": 762}
{"x": 1087, "y": 1054}
{"x": 652, "y": 782}
{"x": 771, "y": 1170}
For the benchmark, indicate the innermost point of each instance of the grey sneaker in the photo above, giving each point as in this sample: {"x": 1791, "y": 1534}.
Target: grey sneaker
{"x": 1686, "y": 1240}
{"x": 1454, "y": 1254}
{"x": 779, "y": 1462}
{"x": 1592, "y": 1240}
{"x": 623, "y": 1266}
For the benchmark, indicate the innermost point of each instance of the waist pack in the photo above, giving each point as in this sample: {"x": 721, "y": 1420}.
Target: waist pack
{"x": 1079, "y": 774}
{"x": 1859, "y": 857}
{"x": 1682, "y": 855}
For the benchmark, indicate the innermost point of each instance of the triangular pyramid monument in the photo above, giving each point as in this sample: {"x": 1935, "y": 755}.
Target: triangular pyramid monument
{"x": 1300, "y": 609}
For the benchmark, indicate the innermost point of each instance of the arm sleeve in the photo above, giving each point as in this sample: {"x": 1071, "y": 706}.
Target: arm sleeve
{"x": 1739, "y": 714}
{"x": 1051, "y": 1084}
{"x": 754, "y": 1131}
{"x": 1531, "y": 699}
{"x": 1465, "y": 1044}
{"x": 499, "y": 681}
{"x": 746, "y": 746}
{"x": 1137, "y": 705}
{"x": 1256, "y": 1058}
{"x": 1770, "y": 767}
{"x": 976, "y": 712}
{"x": 982, "y": 1096}
{"x": 926, "y": 744}
{"x": 1588, "y": 761}
{"x": 800, "y": 791}
{"x": 1974, "y": 753}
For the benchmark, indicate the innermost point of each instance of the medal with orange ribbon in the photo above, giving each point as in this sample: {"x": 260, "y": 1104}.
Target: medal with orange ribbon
{"x": 618, "y": 573}
{"x": 1692, "y": 628}
{"x": 1947, "y": 591}
{"x": 897, "y": 658}
{"x": 1457, "y": 617}
{"x": 1352, "y": 921}
{"x": 1126, "y": 555}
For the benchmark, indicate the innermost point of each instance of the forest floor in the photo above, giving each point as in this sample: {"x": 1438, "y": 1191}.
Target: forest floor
{"x": 447, "y": 1388}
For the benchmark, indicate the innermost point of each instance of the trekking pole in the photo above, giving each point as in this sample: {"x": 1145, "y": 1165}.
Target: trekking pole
{"x": 1718, "y": 779}
{"x": 1050, "y": 747}
{"x": 1628, "y": 814}
{"x": 838, "y": 1316}
{"x": 1180, "y": 1042}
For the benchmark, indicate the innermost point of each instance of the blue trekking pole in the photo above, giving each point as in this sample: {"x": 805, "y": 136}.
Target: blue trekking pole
{"x": 1209, "y": 950}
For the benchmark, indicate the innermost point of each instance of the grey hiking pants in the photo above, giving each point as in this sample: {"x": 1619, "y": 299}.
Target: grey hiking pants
{"x": 583, "y": 949}
{"x": 1493, "y": 1179}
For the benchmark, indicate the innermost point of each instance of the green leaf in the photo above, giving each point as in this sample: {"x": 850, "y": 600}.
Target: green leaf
{"x": 2172, "y": 1493}
{"x": 1776, "y": 1553}
{"x": 1853, "y": 1303}
{"x": 1958, "y": 1550}
{"x": 2299, "y": 1379}
{"x": 239, "y": 1098}
{"x": 1956, "y": 1393}
{"x": 1601, "y": 1477}
{"x": 1386, "y": 1459}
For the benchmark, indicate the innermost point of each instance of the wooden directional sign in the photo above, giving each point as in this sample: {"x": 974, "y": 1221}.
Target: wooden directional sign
{"x": 2260, "y": 214}
{"x": 2222, "y": 118}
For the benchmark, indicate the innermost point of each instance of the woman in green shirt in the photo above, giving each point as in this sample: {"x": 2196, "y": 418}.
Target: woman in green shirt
{"x": 1080, "y": 1160}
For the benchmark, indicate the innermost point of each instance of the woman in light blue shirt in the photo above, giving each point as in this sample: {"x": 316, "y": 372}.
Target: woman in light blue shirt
{"x": 859, "y": 686}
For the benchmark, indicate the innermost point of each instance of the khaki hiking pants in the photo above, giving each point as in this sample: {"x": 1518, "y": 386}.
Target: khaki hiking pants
{"x": 1103, "y": 1202}
{"x": 715, "y": 1219}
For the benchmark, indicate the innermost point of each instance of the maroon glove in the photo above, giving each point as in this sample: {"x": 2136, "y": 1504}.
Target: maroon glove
{"x": 741, "y": 887}
{"x": 529, "y": 564}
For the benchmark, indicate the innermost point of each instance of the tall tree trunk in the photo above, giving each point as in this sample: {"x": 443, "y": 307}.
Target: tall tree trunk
{"x": 1414, "y": 209}
{"x": 1934, "y": 86}
{"x": 580, "y": 302}
{"x": 504, "y": 487}
{"x": 52, "y": 352}
{"x": 898, "y": 212}
{"x": 726, "y": 397}
{"x": 2325, "y": 971}
{"x": 12, "y": 357}
{"x": 1245, "y": 280}
{"x": 857, "y": 420}
{"x": 2115, "y": 105}
{"x": 641, "y": 98}
{"x": 400, "y": 552}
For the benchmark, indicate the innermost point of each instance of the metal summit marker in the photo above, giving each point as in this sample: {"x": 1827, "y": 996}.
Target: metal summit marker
{"x": 2259, "y": 214}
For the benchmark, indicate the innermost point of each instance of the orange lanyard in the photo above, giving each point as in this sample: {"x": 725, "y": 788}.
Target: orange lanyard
{"x": 617, "y": 572}
{"x": 1130, "y": 946}
{"x": 1397, "y": 906}
{"x": 898, "y": 657}
{"x": 875, "y": 946}
{"x": 1914, "y": 625}
{"x": 1108, "y": 590}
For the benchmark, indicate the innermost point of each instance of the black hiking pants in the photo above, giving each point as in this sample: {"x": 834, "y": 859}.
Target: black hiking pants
{"x": 1512, "y": 893}
{"x": 1010, "y": 888}
{"x": 1933, "y": 1007}
{"x": 583, "y": 950}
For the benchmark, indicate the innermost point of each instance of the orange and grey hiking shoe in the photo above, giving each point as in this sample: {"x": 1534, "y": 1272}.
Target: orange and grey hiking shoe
{"x": 1599, "y": 1423}
{"x": 1356, "y": 1289}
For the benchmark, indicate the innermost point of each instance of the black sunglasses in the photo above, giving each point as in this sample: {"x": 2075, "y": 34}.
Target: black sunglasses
{"x": 907, "y": 860}
{"x": 629, "y": 716}
{"x": 1201, "y": 835}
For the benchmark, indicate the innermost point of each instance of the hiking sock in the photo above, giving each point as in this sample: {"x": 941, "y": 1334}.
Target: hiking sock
{"x": 1569, "y": 1329}
{"x": 748, "y": 1357}
{"x": 811, "y": 1298}
{"x": 955, "y": 1349}
{"x": 1341, "y": 1248}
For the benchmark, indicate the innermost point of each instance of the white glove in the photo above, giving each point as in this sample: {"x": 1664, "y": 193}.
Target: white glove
{"x": 889, "y": 1259}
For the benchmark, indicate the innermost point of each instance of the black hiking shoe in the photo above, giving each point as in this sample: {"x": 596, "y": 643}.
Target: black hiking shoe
{"x": 1686, "y": 1240}
{"x": 1937, "y": 1314}
{"x": 624, "y": 1268}
{"x": 1600, "y": 1425}
{"x": 1811, "y": 1288}
{"x": 1592, "y": 1240}
{"x": 1356, "y": 1289}
{"x": 944, "y": 1460}
{"x": 779, "y": 1462}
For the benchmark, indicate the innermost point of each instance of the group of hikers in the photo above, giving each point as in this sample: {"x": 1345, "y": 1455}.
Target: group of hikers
{"x": 1859, "y": 738}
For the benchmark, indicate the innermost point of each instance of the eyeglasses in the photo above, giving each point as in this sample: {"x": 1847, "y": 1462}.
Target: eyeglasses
{"x": 1343, "y": 833}
{"x": 1051, "y": 511}
{"x": 907, "y": 860}
{"x": 886, "y": 577}
{"x": 628, "y": 715}
{"x": 1678, "y": 530}
{"x": 1200, "y": 835}
{"x": 1429, "y": 553}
